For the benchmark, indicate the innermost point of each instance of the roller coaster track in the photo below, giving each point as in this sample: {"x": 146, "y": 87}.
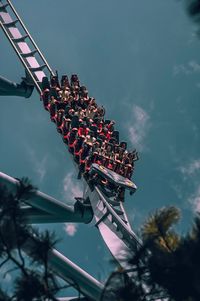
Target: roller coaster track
{"x": 109, "y": 215}
{"x": 23, "y": 44}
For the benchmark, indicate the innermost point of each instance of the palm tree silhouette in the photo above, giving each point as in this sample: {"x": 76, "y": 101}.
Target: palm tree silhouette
{"x": 33, "y": 278}
{"x": 165, "y": 267}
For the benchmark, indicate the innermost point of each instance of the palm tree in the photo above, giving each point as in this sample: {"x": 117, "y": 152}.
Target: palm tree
{"x": 166, "y": 267}
{"x": 174, "y": 263}
{"x": 33, "y": 279}
{"x": 158, "y": 229}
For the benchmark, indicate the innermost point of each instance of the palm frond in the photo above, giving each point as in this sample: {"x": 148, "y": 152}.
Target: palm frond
{"x": 160, "y": 223}
{"x": 41, "y": 244}
{"x": 120, "y": 287}
{"x": 170, "y": 242}
{"x": 25, "y": 189}
{"x": 29, "y": 287}
{"x": 195, "y": 232}
{"x": 193, "y": 7}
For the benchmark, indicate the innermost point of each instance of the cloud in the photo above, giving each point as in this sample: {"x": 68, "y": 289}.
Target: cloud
{"x": 180, "y": 69}
{"x": 190, "y": 169}
{"x": 40, "y": 168}
{"x": 194, "y": 66}
{"x": 194, "y": 200}
{"x": 70, "y": 229}
{"x": 189, "y": 68}
{"x": 138, "y": 127}
{"x": 39, "y": 164}
{"x": 71, "y": 187}
{"x": 190, "y": 172}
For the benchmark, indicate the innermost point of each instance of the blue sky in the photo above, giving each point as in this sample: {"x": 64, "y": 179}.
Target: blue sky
{"x": 140, "y": 59}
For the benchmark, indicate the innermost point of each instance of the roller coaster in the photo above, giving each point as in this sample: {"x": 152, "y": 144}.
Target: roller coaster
{"x": 104, "y": 179}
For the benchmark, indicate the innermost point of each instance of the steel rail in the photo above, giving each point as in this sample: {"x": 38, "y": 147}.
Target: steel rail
{"x": 30, "y": 37}
{"x": 49, "y": 207}
{"x": 21, "y": 58}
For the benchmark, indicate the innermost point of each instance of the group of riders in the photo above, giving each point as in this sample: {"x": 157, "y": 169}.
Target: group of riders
{"x": 89, "y": 136}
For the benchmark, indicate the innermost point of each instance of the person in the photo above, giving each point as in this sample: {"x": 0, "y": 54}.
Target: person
{"x": 109, "y": 164}
{"x": 65, "y": 127}
{"x": 122, "y": 170}
{"x": 95, "y": 153}
{"x": 93, "y": 128}
{"x": 129, "y": 163}
{"x": 75, "y": 121}
{"x": 82, "y": 90}
{"x": 123, "y": 145}
{"x": 71, "y": 113}
{"x": 129, "y": 171}
{"x": 75, "y": 81}
{"x": 61, "y": 104}
{"x": 81, "y": 113}
{"x": 114, "y": 137}
{"x": 77, "y": 148}
{"x": 54, "y": 92}
{"x": 85, "y": 96}
{"x": 73, "y": 101}
{"x": 45, "y": 96}
{"x": 64, "y": 94}
{"x": 90, "y": 139}
{"x": 91, "y": 112}
{"x": 83, "y": 130}
{"x": 67, "y": 111}
{"x": 71, "y": 139}
{"x": 100, "y": 113}
{"x": 115, "y": 149}
{"x": 92, "y": 102}
{"x": 59, "y": 120}
{"x": 102, "y": 134}
{"x": 119, "y": 159}
{"x": 76, "y": 98}
{"x": 65, "y": 82}
{"x": 54, "y": 82}
{"x": 107, "y": 134}
{"x": 110, "y": 126}
{"x": 88, "y": 163}
{"x": 98, "y": 159}
{"x": 52, "y": 108}
{"x": 70, "y": 101}
{"x": 108, "y": 151}
{"x": 99, "y": 125}
{"x": 84, "y": 152}
{"x": 74, "y": 78}
{"x": 82, "y": 103}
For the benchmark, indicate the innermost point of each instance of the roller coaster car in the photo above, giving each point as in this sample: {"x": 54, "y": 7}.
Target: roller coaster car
{"x": 113, "y": 177}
